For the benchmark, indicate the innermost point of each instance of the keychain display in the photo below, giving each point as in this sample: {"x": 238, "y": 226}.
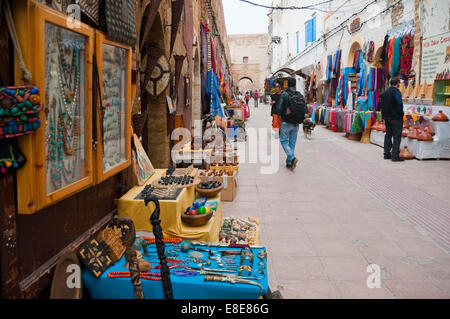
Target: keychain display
{"x": 239, "y": 230}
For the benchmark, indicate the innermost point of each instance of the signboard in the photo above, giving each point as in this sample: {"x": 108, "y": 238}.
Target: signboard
{"x": 436, "y": 58}
{"x": 355, "y": 25}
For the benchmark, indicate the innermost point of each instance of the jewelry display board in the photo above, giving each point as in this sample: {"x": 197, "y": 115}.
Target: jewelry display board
{"x": 59, "y": 153}
{"x": 64, "y": 93}
{"x": 114, "y": 150}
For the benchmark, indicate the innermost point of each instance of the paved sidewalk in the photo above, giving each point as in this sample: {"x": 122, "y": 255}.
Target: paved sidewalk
{"x": 345, "y": 208}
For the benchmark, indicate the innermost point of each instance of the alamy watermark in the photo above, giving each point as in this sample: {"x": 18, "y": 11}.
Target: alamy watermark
{"x": 374, "y": 279}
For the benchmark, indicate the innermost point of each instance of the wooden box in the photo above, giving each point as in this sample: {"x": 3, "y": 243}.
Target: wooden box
{"x": 111, "y": 237}
{"x": 95, "y": 256}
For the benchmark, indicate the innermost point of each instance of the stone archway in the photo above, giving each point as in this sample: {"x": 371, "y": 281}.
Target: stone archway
{"x": 245, "y": 83}
{"x": 356, "y": 44}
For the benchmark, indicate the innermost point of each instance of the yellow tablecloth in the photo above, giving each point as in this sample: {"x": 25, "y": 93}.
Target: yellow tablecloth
{"x": 170, "y": 214}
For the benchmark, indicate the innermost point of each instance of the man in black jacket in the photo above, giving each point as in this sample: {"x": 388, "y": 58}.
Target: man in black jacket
{"x": 392, "y": 113}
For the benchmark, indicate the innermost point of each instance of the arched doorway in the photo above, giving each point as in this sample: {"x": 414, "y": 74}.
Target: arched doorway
{"x": 245, "y": 84}
{"x": 357, "y": 44}
{"x": 196, "y": 90}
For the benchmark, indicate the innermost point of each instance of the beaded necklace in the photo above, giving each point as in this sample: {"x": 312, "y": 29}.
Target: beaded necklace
{"x": 64, "y": 117}
{"x": 112, "y": 116}
{"x": 69, "y": 87}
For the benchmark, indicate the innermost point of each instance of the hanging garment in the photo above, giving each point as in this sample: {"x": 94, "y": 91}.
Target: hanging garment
{"x": 407, "y": 51}
{"x": 384, "y": 50}
{"x": 329, "y": 67}
{"x": 349, "y": 103}
{"x": 213, "y": 57}
{"x": 362, "y": 79}
{"x": 390, "y": 53}
{"x": 379, "y": 82}
{"x": 396, "y": 57}
{"x": 213, "y": 92}
{"x": 333, "y": 120}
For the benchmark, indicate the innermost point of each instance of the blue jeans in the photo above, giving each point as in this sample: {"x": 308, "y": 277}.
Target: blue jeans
{"x": 288, "y": 139}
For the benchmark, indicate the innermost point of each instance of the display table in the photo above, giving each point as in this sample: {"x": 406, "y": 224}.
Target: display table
{"x": 170, "y": 213}
{"x": 438, "y": 148}
{"x": 428, "y": 110}
{"x": 194, "y": 287}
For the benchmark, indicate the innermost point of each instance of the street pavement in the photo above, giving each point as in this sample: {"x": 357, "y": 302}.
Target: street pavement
{"x": 343, "y": 208}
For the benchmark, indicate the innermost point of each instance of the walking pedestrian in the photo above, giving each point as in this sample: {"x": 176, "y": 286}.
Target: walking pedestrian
{"x": 392, "y": 113}
{"x": 275, "y": 110}
{"x": 255, "y": 98}
{"x": 247, "y": 98}
{"x": 293, "y": 110}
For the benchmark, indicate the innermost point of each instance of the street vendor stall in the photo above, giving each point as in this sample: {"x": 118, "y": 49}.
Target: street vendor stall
{"x": 132, "y": 205}
{"x": 189, "y": 281}
{"x": 420, "y": 117}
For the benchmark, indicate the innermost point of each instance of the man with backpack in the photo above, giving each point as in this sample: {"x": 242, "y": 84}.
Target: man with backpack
{"x": 293, "y": 110}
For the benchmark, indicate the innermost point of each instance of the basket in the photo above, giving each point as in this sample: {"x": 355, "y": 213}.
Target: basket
{"x": 196, "y": 220}
{"x": 213, "y": 192}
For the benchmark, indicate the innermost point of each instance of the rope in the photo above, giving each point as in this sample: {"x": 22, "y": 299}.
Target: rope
{"x": 27, "y": 77}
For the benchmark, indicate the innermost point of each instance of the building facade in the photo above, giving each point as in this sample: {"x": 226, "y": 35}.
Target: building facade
{"x": 249, "y": 60}
{"x": 348, "y": 26}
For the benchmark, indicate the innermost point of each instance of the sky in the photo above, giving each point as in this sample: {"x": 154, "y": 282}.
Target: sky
{"x": 243, "y": 18}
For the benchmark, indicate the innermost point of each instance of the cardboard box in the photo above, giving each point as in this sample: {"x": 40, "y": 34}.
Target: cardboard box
{"x": 229, "y": 190}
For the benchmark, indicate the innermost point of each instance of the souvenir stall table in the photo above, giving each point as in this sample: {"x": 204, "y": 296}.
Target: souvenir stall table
{"x": 439, "y": 148}
{"x": 187, "y": 280}
{"x": 129, "y": 205}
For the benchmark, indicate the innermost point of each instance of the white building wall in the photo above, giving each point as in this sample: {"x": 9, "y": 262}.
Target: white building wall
{"x": 376, "y": 21}
{"x": 435, "y": 17}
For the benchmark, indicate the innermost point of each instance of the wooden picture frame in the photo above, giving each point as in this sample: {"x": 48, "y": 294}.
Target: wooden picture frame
{"x": 100, "y": 173}
{"x": 31, "y": 18}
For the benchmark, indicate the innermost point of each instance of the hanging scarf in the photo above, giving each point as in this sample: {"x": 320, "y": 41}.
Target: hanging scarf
{"x": 396, "y": 57}
{"x": 213, "y": 92}
{"x": 407, "y": 51}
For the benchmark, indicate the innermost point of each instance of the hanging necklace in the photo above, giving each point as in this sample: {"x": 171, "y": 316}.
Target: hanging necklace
{"x": 69, "y": 80}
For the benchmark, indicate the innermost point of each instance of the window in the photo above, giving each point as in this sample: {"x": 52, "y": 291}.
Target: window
{"x": 310, "y": 31}
{"x": 245, "y": 59}
{"x": 298, "y": 41}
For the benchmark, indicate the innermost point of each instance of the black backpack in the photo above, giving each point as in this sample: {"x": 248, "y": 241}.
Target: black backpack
{"x": 297, "y": 109}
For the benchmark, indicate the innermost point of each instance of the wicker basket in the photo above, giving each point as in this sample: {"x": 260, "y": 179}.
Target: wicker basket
{"x": 196, "y": 220}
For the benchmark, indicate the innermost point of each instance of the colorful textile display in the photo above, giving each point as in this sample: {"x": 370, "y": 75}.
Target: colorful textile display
{"x": 213, "y": 92}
